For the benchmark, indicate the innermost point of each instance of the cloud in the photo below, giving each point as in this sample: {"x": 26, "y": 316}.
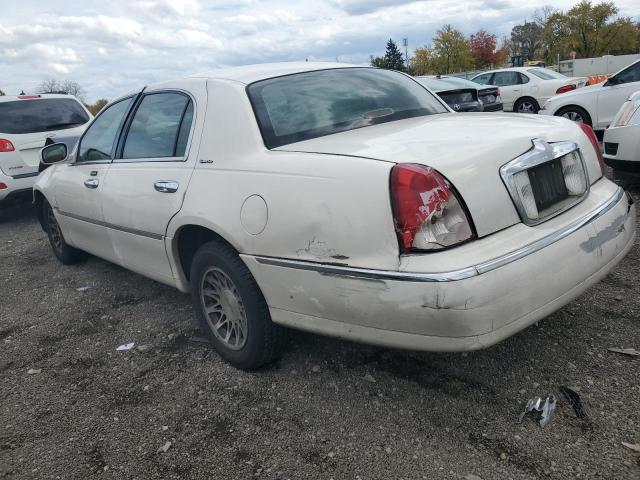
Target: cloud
{"x": 360, "y": 7}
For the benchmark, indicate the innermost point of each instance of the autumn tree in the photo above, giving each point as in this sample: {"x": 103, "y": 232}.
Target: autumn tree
{"x": 422, "y": 61}
{"x": 71, "y": 87}
{"x": 96, "y": 107}
{"x": 591, "y": 30}
{"x": 527, "y": 39}
{"x": 451, "y": 51}
{"x": 483, "y": 49}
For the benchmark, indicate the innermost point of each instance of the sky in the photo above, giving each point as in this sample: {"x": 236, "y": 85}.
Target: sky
{"x": 114, "y": 46}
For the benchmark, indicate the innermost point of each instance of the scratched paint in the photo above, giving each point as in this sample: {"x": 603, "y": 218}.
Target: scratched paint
{"x": 610, "y": 232}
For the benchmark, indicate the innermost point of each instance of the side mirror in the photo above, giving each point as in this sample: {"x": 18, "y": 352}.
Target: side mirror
{"x": 55, "y": 153}
{"x": 611, "y": 81}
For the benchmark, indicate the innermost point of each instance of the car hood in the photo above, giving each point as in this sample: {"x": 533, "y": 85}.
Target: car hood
{"x": 468, "y": 149}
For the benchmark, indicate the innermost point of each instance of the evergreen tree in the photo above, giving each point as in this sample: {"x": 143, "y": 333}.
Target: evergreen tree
{"x": 393, "y": 59}
{"x": 1, "y": 93}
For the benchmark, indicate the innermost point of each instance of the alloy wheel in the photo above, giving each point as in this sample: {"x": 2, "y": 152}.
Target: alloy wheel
{"x": 574, "y": 116}
{"x": 526, "y": 107}
{"x": 223, "y": 308}
{"x": 54, "y": 230}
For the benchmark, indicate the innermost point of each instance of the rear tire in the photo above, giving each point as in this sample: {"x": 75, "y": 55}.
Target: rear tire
{"x": 576, "y": 114}
{"x": 67, "y": 254}
{"x": 526, "y": 105}
{"x": 231, "y": 309}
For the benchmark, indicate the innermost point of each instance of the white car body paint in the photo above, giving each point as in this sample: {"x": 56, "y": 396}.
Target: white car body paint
{"x": 322, "y": 244}
{"x": 533, "y": 87}
{"x": 601, "y": 101}
{"x": 625, "y": 139}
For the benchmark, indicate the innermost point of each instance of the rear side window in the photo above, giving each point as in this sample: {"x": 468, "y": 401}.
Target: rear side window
{"x": 307, "y": 105}
{"x": 160, "y": 127}
{"x": 482, "y": 79}
{"x": 504, "y": 79}
{"x": 98, "y": 142}
{"x": 41, "y": 115}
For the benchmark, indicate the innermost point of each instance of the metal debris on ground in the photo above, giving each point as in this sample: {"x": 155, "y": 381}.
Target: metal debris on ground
{"x": 164, "y": 448}
{"x": 632, "y": 446}
{"x": 574, "y": 399}
{"x": 125, "y": 346}
{"x": 34, "y": 371}
{"x": 632, "y": 352}
{"x": 85, "y": 288}
{"x": 536, "y": 404}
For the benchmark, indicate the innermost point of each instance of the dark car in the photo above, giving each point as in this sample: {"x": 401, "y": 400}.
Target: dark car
{"x": 464, "y": 95}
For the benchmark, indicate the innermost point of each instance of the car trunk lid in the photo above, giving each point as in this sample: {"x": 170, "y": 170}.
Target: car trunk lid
{"x": 468, "y": 149}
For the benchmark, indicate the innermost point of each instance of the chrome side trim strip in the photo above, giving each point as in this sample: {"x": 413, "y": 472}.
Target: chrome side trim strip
{"x": 111, "y": 226}
{"x": 461, "y": 274}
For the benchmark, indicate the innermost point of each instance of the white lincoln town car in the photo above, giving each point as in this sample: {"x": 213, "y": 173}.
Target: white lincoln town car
{"x": 342, "y": 200}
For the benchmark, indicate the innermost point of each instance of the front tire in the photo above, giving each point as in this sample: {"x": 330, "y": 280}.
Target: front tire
{"x": 526, "y": 105}
{"x": 575, "y": 114}
{"x": 65, "y": 253}
{"x": 231, "y": 309}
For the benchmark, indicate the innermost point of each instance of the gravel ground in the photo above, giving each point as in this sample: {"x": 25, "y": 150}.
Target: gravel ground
{"x": 327, "y": 409}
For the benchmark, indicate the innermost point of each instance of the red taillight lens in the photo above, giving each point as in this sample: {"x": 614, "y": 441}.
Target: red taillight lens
{"x": 3, "y": 186}
{"x": 29, "y": 97}
{"x": 6, "y": 145}
{"x": 566, "y": 88}
{"x": 594, "y": 141}
{"x": 427, "y": 211}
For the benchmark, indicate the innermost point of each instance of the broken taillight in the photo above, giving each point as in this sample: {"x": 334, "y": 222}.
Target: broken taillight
{"x": 6, "y": 145}
{"x": 591, "y": 135}
{"x": 427, "y": 211}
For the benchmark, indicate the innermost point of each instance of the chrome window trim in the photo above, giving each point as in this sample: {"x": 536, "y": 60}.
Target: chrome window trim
{"x": 453, "y": 275}
{"x": 542, "y": 152}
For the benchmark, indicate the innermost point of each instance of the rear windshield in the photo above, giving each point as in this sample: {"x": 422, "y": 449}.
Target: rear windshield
{"x": 545, "y": 73}
{"x": 41, "y": 115}
{"x": 307, "y": 105}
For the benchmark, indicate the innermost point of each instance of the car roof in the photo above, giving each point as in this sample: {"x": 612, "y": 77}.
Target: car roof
{"x": 252, "y": 73}
{"x": 13, "y": 98}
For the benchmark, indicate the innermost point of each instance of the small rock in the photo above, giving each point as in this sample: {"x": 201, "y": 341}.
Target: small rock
{"x": 145, "y": 388}
{"x": 619, "y": 298}
{"x": 85, "y": 288}
{"x": 144, "y": 348}
{"x": 315, "y": 368}
{"x": 164, "y": 448}
{"x": 369, "y": 378}
{"x": 503, "y": 456}
{"x": 172, "y": 336}
{"x": 34, "y": 371}
{"x": 388, "y": 449}
{"x": 522, "y": 391}
{"x": 471, "y": 476}
{"x": 165, "y": 428}
{"x": 331, "y": 454}
{"x": 536, "y": 384}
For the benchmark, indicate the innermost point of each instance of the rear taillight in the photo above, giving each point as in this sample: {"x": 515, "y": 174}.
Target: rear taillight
{"x": 594, "y": 141}
{"x": 3, "y": 186}
{"x": 566, "y": 88}
{"x": 427, "y": 212}
{"x": 29, "y": 97}
{"x": 6, "y": 146}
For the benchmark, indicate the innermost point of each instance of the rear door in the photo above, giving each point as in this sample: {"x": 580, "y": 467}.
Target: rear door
{"x": 612, "y": 96}
{"x": 510, "y": 87}
{"x": 145, "y": 185}
{"x": 79, "y": 183}
{"x": 27, "y": 122}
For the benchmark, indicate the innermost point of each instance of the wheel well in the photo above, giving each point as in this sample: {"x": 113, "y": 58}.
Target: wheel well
{"x": 526, "y": 98}
{"x": 189, "y": 239}
{"x": 38, "y": 200}
{"x": 576, "y": 107}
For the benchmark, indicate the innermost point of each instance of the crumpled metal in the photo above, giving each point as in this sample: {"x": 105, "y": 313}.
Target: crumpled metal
{"x": 536, "y": 404}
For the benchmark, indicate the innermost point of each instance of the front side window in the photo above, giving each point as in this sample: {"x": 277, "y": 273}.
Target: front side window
{"x": 99, "y": 141}
{"x": 505, "y": 79}
{"x": 307, "y": 105}
{"x": 631, "y": 74}
{"x": 482, "y": 79}
{"x": 160, "y": 127}
{"x": 41, "y": 115}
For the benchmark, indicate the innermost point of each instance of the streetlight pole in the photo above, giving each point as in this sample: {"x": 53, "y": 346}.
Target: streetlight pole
{"x": 405, "y": 44}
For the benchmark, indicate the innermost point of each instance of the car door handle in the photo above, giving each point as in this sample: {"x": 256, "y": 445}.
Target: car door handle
{"x": 166, "y": 186}
{"x": 91, "y": 183}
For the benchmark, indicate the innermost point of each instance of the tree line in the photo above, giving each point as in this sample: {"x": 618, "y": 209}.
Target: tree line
{"x": 585, "y": 30}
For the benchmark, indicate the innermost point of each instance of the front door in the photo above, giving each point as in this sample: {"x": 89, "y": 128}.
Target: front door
{"x": 615, "y": 92}
{"x": 80, "y": 183}
{"x": 146, "y": 184}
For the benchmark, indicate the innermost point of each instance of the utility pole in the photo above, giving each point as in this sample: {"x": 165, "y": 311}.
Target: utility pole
{"x": 405, "y": 44}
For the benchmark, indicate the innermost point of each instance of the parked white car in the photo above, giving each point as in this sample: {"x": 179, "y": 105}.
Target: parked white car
{"x": 26, "y": 121}
{"x": 622, "y": 138}
{"x": 342, "y": 200}
{"x": 525, "y": 89}
{"x": 597, "y": 104}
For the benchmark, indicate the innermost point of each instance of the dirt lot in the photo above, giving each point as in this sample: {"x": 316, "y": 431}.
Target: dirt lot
{"x": 327, "y": 409}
